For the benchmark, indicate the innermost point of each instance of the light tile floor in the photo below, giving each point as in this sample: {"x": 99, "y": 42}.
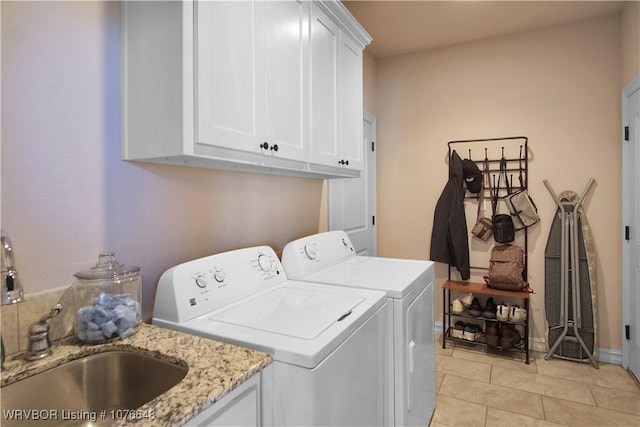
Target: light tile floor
{"x": 475, "y": 388}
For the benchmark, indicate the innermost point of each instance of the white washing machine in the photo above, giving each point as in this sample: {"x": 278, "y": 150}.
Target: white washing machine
{"x": 408, "y": 284}
{"x": 327, "y": 343}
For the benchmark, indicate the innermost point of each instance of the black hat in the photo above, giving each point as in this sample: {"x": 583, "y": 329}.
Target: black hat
{"x": 472, "y": 175}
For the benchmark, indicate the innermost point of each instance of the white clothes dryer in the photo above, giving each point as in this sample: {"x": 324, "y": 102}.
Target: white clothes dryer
{"x": 330, "y": 258}
{"x": 327, "y": 343}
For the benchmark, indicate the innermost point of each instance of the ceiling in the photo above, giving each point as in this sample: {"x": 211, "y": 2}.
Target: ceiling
{"x": 400, "y": 27}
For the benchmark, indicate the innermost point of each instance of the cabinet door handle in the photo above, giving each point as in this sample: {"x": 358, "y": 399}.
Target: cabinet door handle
{"x": 264, "y": 145}
{"x": 274, "y": 147}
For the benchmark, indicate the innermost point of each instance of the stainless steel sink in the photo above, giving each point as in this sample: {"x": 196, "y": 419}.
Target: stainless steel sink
{"x": 94, "y": 390}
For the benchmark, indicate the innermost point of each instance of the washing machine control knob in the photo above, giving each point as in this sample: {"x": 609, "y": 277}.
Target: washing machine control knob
{"x": 219, "y": 275}
{"x": 310, "y": 251}
{"x": 201, "y": 281}
{"x": 265, "y": 263}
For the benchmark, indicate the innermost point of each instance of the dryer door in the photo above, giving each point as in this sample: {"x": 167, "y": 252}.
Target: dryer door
{"x": 419, "y": 370}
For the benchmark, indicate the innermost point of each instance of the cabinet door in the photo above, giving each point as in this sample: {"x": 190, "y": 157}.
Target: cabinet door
{"x": 240, "y": 407}
{"x": 287, "y": 68}
{"x": 325, "y": 37}
{"x": 350, "y": 112}
{"x": 229, "y": 74}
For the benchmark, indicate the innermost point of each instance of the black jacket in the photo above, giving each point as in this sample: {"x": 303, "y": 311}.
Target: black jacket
{"x": 449, "y": 238}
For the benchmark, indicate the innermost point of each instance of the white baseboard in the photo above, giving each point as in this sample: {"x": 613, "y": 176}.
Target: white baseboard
{"x": 605, "y": 355}
{"x": 608, "y": 355}
{"x": 438, "y": 328}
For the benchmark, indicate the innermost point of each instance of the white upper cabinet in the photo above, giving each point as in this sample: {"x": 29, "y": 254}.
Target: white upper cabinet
{"x": 251, "y": 76}
{"x": 262, "y": 85}
{"x": 230, "y": 74}
{"x": 325, "y": 45}
{"x": 336, "y": 94}
{"x": 350, "y": 107}
{"x": 287, "y": 54}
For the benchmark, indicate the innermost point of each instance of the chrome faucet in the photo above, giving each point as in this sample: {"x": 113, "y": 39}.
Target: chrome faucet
{"x": 12, "y": 291}
{"x": 39, "y": 341}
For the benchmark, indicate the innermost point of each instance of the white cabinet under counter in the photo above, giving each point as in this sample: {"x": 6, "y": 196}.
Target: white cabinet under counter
{"x": 243, "y": 86}
{"x": 241, "y": 407}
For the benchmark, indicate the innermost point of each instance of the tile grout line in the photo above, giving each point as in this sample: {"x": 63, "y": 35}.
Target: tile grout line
{"x": 486, "y": 414}
{"x": 544, "y": 412}
{"x": 597, "y": 407}
{"x": 486, "y": 411}
{"x": 592, "y": 406}
{"x": 595, "y": 401}
{"x": 611, "y": 409}
{"x": 568, "y": 380}
{"x": 586, "y": 383}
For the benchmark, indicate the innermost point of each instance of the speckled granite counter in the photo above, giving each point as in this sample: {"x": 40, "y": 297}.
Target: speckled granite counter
{"x": 215, "y": 368}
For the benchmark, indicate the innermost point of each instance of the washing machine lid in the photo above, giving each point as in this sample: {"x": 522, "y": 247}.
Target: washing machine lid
{"x": 298, "y": 323}
{"x": 394, "y": 276}
{"x": 295, "y": 312}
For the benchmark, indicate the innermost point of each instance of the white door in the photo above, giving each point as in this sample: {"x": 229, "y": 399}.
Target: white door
{"x": 287, "y": 38}
{"x": 352, "y": 201}
{"x": 631, "y": 219}
{"x": 230, "y": 77}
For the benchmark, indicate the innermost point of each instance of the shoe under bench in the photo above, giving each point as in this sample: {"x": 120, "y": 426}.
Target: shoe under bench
{"x": 481, "y": 289}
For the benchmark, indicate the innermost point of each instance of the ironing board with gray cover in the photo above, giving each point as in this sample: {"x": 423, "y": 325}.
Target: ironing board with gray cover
{"x": 567, "y": 332}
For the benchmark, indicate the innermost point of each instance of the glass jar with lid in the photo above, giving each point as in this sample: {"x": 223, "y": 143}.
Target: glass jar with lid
{"x": 107, "y": 300}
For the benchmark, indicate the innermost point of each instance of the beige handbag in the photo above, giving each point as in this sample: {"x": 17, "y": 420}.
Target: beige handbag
{"x": 522, "y": 207}
{"x": 483, "y": 229}
{"x": 521, "y": 204}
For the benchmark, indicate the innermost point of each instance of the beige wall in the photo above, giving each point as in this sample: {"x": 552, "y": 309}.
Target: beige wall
{"x": 369, "y": 83}
{"x": 630, "y": 41}
{"x": 66, "y": 195}
{"x": 560, "y": 87}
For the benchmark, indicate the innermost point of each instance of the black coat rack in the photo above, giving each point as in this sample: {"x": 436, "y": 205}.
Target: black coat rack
{"x": 513, "y": 152}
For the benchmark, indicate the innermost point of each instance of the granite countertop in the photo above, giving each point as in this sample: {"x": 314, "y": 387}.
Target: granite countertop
{"x": 215, "y": 368}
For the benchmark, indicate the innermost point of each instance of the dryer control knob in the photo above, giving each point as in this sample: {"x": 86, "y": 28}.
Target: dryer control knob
{"x": 310, "y": 251}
